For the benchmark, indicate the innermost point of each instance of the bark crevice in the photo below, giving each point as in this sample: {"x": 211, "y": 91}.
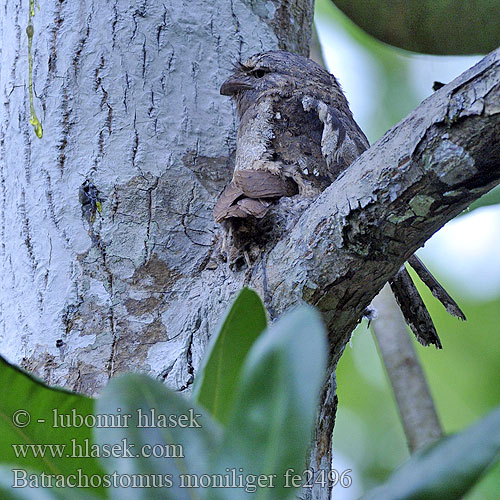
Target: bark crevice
{"x": 142, "y": 285}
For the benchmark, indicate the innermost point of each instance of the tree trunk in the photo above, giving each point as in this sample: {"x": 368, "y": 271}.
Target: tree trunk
{"x": 128, "y": 96}
{"x": 108, "y": 242}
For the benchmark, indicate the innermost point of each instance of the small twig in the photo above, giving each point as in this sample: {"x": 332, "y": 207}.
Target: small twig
{"x": 413, "y": 398}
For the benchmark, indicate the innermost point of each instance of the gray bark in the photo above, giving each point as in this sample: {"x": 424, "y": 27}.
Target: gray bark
{"x": 128, "y": 97}
{"x": 411, "y": 391}
{"x": 358, "y": 233}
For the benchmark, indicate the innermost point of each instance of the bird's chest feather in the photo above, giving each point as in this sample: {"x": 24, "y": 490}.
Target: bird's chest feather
{"x": 279, "y": 135}
{"x": 297, "y": 140}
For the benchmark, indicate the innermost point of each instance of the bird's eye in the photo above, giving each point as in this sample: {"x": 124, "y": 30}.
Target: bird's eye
{"x": 258, "y": 73}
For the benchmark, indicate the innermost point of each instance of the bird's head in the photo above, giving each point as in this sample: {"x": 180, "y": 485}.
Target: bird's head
{"x": 274, "y": 72}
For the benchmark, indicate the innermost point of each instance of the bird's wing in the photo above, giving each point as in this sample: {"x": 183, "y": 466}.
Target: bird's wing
{"x": 263, "y": 184}
{"x": 233, "y": 203}
{"x": 226, "y": 200}
{"x": 342, "y": 140}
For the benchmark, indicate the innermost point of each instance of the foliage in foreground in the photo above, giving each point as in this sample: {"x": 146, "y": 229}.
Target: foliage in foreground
{"x": 429, "y": 26}
{"x": 248, "y": 425}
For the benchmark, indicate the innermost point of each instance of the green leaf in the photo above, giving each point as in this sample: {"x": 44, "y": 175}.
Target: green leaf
{"x": 153, "y": 410}
{"x": 218, "y": 376}
{"x": 488, "y": 199}
{"x": 447, "y": 469}
{"x": 429, "y": 26}
{"x": 47, "y": 441}
{"x": 270, "y": 428}
{"x": 8, "y": 477}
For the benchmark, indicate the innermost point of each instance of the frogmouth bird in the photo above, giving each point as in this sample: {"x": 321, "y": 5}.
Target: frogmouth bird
{"x": 296, "y": 135}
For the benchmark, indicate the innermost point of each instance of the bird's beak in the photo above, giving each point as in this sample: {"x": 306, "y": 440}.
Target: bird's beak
{"x": 236, "y": 83}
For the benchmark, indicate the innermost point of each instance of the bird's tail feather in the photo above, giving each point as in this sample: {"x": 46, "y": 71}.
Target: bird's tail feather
{"x": 434, "y": 286}
{"x": 413, "y": 308}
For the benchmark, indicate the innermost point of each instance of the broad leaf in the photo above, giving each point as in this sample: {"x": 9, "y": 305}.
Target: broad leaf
{"x": 447, "y": 469}
{"x": 218, "y": 376}
{"x": 160, "y": 421}
{"x": 270, "y": 428}
{"x": 429, "y": 26}
{"x": 488, "y": 199}
{"x": 31, "y": 486}
{"x": 56, "y": 432}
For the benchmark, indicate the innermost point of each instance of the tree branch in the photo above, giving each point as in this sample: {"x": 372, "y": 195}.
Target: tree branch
{"x": 417, "y": 177}
{"x": 411, "y": 391}
{"x": 358, "y": 233}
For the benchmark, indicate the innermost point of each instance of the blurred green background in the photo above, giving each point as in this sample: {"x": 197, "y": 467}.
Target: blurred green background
{"x": 383, "y": 84}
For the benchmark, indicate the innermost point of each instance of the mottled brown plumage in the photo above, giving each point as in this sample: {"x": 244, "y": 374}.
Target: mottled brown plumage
{"x": 296, "y": 131}
{"x": 296, "y": 135}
